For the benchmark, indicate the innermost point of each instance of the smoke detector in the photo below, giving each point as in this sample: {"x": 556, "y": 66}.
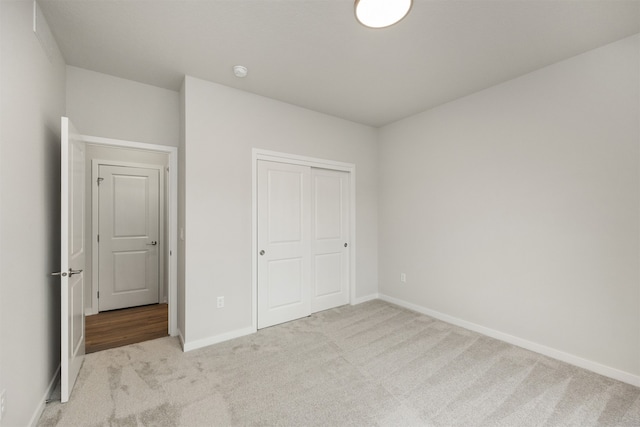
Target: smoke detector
{"x": 240, "y": 71}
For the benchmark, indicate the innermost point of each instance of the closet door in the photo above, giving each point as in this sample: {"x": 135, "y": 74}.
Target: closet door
{"x": 329, "y": 244}
{"x": 284, "y": 242}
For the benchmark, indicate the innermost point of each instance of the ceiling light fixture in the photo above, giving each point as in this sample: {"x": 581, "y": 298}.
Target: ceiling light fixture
{"x": 240, "y": 71}
{"x": 381, "y": 13}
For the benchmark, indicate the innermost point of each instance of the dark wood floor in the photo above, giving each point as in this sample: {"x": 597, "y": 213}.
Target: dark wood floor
{"x": 116, "y": 328}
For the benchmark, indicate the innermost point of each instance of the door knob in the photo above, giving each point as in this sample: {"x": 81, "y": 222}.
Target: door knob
{"x": 153, "y": 243}
{"x": 345, "y": 245}
{"x": 64, "y": 273}
{"x": 261, "y": 253}
{"x": 72, "y": 272}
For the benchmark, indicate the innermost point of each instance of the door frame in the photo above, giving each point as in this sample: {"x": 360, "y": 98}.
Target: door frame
{"x": 294, "y": 159}
{"x": 95, "y": 226}
{"x": 171, "y": 200}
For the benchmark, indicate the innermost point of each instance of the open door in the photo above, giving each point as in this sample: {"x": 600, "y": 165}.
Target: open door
{"x": 72, "y": 257}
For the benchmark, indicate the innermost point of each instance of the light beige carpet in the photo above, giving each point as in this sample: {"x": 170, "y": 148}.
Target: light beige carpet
{"x": 371, "y": 364}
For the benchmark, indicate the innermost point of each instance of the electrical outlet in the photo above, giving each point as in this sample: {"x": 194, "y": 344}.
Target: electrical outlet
{"x": 2, "y": 402}
{"x": 403, "y": 277}
{"x": 220, "y": 302}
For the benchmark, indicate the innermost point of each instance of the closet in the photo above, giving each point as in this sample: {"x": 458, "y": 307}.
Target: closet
{"x": 303, "y": 241}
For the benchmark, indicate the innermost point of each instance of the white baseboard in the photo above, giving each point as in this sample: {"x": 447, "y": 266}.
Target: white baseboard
{"x": 204, "y": 342}
{"x": 52, "y": 386}
{"x": 571, "y": 359}
{"x": 365, "y": 299}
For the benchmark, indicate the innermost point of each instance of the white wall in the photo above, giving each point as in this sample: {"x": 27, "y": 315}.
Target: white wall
{"x": 222, "y": 125}
{"x": 517, "y": 208}
{"x": 111, "y": 107}
{"x": 32, "y": 102}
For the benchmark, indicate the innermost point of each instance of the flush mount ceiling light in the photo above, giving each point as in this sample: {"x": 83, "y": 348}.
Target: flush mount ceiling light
{"x": 381, "y": 13}
{"x": 240, "y": 71}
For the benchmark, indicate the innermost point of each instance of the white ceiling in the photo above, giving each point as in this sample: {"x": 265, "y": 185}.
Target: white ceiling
{"x": 314, "y": 54}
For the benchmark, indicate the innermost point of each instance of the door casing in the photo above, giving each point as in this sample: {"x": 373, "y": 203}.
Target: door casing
{"x": 171, "y": 246}
{"x": 274, "y": 156}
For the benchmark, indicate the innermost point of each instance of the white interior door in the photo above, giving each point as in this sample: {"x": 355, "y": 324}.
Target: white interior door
{"x": 128, "y": 217}
{"x": 330, "y": 239}
{"x": 72, "y": 257}
{"x": 284, "y": 243}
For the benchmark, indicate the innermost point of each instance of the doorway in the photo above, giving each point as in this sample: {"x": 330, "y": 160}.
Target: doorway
{"x": 303, "y": 236}
{"x": 127, "y": 233}
{"x": 136, "y": 167}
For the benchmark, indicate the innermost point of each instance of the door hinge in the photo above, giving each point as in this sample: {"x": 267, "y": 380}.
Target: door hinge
{"x": 98, "y": 294}
{"x": 98, "y": 238}
{"x": 99, "y": 180}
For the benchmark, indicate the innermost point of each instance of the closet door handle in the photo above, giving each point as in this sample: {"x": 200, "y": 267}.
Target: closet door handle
{"x": 261, "y": 252}
{"x": 153, "y": 243}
